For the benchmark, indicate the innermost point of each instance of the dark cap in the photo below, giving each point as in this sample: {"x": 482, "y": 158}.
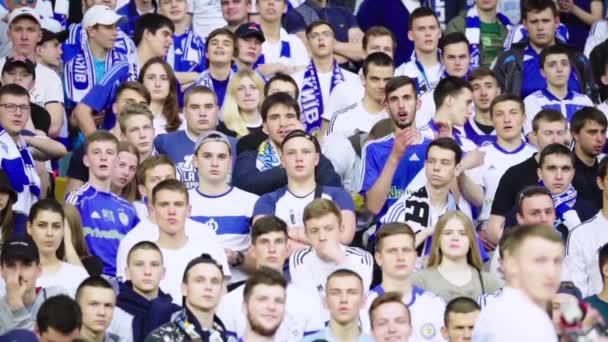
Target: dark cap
{"x": 250, "y": 30}
{"x": 6, "y": 187}
{"x": 22, "y": 247}
{"x": 19, "y": 61}
{"x": 47, "y": 35}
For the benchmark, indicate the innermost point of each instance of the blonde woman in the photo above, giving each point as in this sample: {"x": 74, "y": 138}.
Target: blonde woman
{"x": 455, "y": 267}
{"x": 241, "y": 108}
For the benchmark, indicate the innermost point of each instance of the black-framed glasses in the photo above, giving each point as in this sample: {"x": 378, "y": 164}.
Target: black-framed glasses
{"x": 12, "y": 107}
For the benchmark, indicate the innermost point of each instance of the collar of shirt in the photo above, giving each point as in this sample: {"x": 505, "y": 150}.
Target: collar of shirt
{"x": 550, "y": 96}
{"x": 579, "y": 165}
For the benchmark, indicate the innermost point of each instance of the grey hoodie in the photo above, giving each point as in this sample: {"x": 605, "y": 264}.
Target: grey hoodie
{"x": 25, "y": 318}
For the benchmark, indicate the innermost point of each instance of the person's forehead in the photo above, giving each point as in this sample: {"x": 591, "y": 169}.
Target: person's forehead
{"x": 220, "y": 37}
{"x": 482, "y": 80}
{"x": 19, "y": 68}
{"x": 274, "y": 291}
{"x": 545, "y": 125}
{"x": 282, "y": 85}
{"x": 15, "y": 98}
{"x": 557, "y": 159}
{"x": 204, "y": 270}
{"x": 390, "y": 309}
{"x": 457, "y": 318}
{"x": 101, "y": 294}
{"x": 24, "y": 20}
{"x": 214, "y": 147}
{"x": 344, "y": 282}
{"x": 438, "y": 152}
{"x": 280, "y": 108}
{"x": 131, "y": 95}
{"x": 170, "y": 195}
{"x": 404, "y": 89}
{"x": 321, "y": 28}
{"x": 427, "y": 20}
{"x": 138, "y": 120}
{"x": 160, "y": 170}
{"x": 374, "y": 69}
{"x": 146, "y": 255}
{"x": 556, "y": 56}
{"x": 459, "y": 47}
{"x": 539, "y": 201}
{"x": 298, "y": 142}
{"x": 199, "y": 98}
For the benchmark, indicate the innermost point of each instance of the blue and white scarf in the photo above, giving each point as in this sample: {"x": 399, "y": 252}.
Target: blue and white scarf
{"x": 564, "y": 207}
{"x": 206, "y": 80}
{"x": 192, "y": 51}
{"x": 80, "y": 72}
{"x": 311, "y": 96}
{"x": 285, "y": 52}
{"x": 473, "y": 34}
{"x": 267, "y": 157}
{"x": 17, "y": 162}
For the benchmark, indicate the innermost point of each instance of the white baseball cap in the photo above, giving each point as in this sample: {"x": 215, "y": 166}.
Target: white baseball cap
{"x": 24, "y": 12}
{"x": 100, "y": 14}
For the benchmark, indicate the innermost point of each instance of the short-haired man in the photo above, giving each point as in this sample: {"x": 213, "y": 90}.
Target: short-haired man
{"x": 390, "y": 318}
{"x": 459, "y": 319}
{"x": 508, "y": 116}
{"x": 170, "y": 207}
{"x": 149, "y": 173}
{"x": 396, "y": 256}
{"x": 535, "y": 260}
{"x": 140, "y": 302}
{"x": 321, "y": 76}
{"x": 202, "y": 287}
{"x": 136, "y": 124}
{"x": 235, "y": 13}
{"x": 555, "y": 67}
{"x": 424, "y": 66}
{"x": 486, "y": 30}
{"x": 585, "y": 240}
{"x": 518, "y": 69}
{"x": 598, "y": 299}
{"x": 201, "y": 112}
{"x": 213, "y": 200}
{"x": 302, "y": 308}
{"x": 20, "y": 268}
{"x": 97, "y": 300}
{"x": 153, "y": 36}
{"x": 310, "y": 266}
{"x": 344, "y": 297}
{"x": 363, "y": 113}
{"x": 258, "y": 167}
{"x": 59, "y": 319}
{"x": 221, "y": 48}
{"x": 264, "y": 298}
{"x": 394, "y": 164}
{"x": 441, "y": 165}
{"x": 479, "y": 127}
{"x": 89, "y": 66}
{"x": 548, "y": 127}
{"x": 105, "y": 216}
{"x": 249, "y": 40}
{"x": 588, "y": 129}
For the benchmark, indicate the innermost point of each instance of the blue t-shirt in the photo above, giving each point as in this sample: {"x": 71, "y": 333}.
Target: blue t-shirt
{"x": 220, "y": 89}
{"x": 533, "y": 80}
{"x": 100, "y": 68}
{"x": 106, "y": 219}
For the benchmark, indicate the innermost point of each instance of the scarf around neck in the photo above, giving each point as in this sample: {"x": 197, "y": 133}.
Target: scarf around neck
{"x": 473, "y": 33}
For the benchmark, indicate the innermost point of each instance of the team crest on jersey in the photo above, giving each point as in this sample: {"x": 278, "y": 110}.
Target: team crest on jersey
{"x": 124, "y": 218}
{"x": 108, "y": 215}
{"x": 428, "y": 331}
{"x": 213, "y": 224}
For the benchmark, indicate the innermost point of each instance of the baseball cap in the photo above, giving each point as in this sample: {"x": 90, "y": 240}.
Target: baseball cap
{"x": 100, "y": 14}
{"x": 21, "y": 247}
{"x": 47, "y": 35}
{"x": 250, "y": 30}
{"x": 212, "y": 136}
{"x": 24, "y": 12}
{"x": 19, "y": 61}
{"x": 6, "y": 187}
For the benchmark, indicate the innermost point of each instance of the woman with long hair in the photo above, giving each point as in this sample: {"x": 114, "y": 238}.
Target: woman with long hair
{"x": 75, "y": 238}
{"x": 455, "y": 267}
{"x": 124, "y": 183}
{"x": 8, "y": 197}
{"x": 241, "y": 109}
{"x": 158, "y": 77}
{"x": 46, "y": 226}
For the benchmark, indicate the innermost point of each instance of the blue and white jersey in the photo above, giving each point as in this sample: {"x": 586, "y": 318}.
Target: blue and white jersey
{"x": 409, "y": 176}
{"x": 289, "y": 50}
{"x": 77, "y": 39}
{"x": 543, "y": 99}
{"x": 488, "y": 299}
{"x": 218, "y": 86}
{"x": 18, "y": 163}
{"x": 476, "y": 135}
{"x": 426, "y": 312}
{"x": 187, "y": 52}
{"x": 496, "y": 162}
{"x": 179, "y": 147}
{"x": 310, "y": 272}
{"x": 533, "y": 80}
{"x": 426, "y": 78}
{"x": 431, "y": 130}
{"x": 290, "y": 208}
{"x": 230, "y": 222}
{"x": 106, "y": 219}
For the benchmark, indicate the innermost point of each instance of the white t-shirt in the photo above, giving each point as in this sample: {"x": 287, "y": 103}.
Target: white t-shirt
{"x": 206, "y": 16}
{"x": 347, "y": 164}
{"x": 427, "y": 109}
{"x": 298, "y": 52}
{"x": 352, "y": 118}
{"x": 513, "y": 317}
{"x": 48, "y": 87}
{"x": 68, "y": 276}
{"x": 302, "y": 314}
{"x": 343, "y": 95}
{"x": 147, "y": 231}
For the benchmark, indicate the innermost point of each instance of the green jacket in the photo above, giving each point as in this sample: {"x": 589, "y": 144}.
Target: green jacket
{"x": 459, "y": 24}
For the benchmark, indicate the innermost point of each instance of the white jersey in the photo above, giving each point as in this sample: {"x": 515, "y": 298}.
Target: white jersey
{"x": 426, "y": 78}
{"x": 543, "y": 99}
{"x": 274, "y": 52}
{"x": 354, "y": 118}
{"x": 347, "y": 164}
{"x": 487, "y": 299}
{"x": 145, "y": 230}
{"x": 427, "y": 109}
{"x": 496, "y": 162}
{"x": 206, "y": 16}
{"x": 597, "y": 35}
{"x": 343, "y": 96}
{"x": 426, "y": 312}
{"x": 582, "y": 249}
{"x": 302, "y": 314}
{"x": 526, "y": 320}
{"x": 68, "y": 276}
{"x": 230, "y": 222}
{"x": 308, "y": 271}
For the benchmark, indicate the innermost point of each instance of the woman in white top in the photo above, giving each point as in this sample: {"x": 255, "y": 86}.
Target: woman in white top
{"x": 158, "y": 77}
{"x": 455, "y": 267}
{"x": 123, "y": 174}
{"x": 46, "y": 225}
{"x": 241, "y": 108}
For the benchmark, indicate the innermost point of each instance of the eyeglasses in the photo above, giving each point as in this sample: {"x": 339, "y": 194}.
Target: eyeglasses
{"x": 317, "y": 35}
{"x": 12, "y": 108}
